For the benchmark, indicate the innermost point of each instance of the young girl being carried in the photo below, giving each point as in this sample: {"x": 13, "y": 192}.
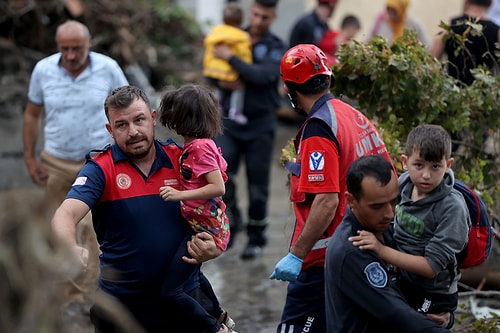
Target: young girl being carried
{"x": 193, "y": 112}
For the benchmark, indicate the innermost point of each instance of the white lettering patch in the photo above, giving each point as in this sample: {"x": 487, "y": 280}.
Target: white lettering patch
{"x": 316, "y": 161}
{"x": 316, "y": 177}
{"x": 80, "y": 181}
{"x": 376, "y": 275}
{"x": 171, "y": 182}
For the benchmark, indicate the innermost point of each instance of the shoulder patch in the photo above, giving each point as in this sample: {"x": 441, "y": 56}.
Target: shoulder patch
{"x": 80, "y": 181}
{"x": 376, "y": 275}
{"x": 276, "y": 55}
{"x": 316, "y": 161}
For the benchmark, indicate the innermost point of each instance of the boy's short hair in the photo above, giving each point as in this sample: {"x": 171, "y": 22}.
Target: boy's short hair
{"x": 233, "y": 14}
{"x": 433, "y": 142}
{"x": 350, "y": 21}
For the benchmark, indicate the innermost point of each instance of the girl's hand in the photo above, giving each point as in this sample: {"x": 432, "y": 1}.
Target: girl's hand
{"x": 366, "y": 240}
{"x": 169, "y": 193}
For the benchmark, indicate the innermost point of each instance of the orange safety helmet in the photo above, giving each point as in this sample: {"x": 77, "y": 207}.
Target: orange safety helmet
{"x": 302, "y": 62}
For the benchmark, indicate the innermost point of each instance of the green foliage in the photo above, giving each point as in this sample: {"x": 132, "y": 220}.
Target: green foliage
{"x": 400, "y": 86}
{"x": 174, "y": 14}
{"x": 464, "y": 323}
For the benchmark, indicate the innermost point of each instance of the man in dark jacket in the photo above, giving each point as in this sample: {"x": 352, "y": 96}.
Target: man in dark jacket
{"x": 255, "y": 139}
{"x": 360, "y": 293}
{"x": 310, "y": 28}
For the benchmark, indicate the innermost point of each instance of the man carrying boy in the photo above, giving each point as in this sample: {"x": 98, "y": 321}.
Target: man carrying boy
{"x": 215, "y": 68}
{"x": 361, "y": 296}
{"x": 432, "y": 224}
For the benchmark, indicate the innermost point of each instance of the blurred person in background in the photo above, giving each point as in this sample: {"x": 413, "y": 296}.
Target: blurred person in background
{"x": 333, "y": 39}
{"x": 479, "y": 50}
{"x": 254, "y": 140}
{"x": 310, "y": 28}
{"x": 67, "y": 91}
{"x": 394, "y": 19}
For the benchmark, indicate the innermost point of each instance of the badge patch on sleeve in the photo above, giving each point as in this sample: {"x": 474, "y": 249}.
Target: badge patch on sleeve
{"x": 316, "y": 166}
{"x": 316, "y": 161}
{"x": 376, "y": 275}
{"x": 80, "y": 181}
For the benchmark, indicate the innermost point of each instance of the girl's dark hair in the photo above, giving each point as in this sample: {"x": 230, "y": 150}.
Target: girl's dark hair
{"x": 191, "y": 110}
{"x": 122, "y": 97}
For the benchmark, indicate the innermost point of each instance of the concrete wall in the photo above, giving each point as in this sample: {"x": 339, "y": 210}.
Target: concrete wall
{"x": 428, "y": 12}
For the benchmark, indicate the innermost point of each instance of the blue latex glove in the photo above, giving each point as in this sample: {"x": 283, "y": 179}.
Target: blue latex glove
{"x": 288, "y": 268}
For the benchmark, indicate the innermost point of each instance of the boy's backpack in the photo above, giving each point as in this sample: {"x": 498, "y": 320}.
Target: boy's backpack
{"x": 481, "y": 233}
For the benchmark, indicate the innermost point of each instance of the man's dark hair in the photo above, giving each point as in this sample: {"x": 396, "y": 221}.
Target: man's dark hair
{"x": 267, "y": 3}
{"x": 483, "y": 3}
{"x": 123, "y": 97}
{"x": 374, "y": 166}
{"x": 433, "y": 142}
{"x": 315, "y": 85}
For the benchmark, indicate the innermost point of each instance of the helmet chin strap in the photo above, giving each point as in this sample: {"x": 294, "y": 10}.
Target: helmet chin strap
{"x": 292, "y": 95}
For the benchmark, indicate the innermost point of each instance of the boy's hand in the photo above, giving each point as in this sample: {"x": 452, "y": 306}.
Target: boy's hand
{"x": 366, "y": 241}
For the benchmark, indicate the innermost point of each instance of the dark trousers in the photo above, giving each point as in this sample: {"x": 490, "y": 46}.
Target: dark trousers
{"x": 304, "y": 309}
{"x": 154, "y": 314}
{"x": 173, "y": 290}
{"x": 424, "y": 301}
{"x": 257, "y": 154}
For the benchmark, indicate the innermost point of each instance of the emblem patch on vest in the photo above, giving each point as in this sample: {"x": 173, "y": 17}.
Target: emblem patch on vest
{"x": 123, "y": 181}
{"x": 376, "y": 275}
{"x": 316, "y": 161}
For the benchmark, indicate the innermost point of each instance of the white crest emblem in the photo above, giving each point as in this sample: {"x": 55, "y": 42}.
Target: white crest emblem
{"x": 376, "y": 275}
{"x": 123, "y": 181}
{"x": 361, "y": 121}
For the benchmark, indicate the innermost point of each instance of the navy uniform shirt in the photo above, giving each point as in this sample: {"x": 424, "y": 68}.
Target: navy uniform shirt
{"x": 360, "y": 293}
{"x": 261, "y": 80}
{"x": 137, "y": 231}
